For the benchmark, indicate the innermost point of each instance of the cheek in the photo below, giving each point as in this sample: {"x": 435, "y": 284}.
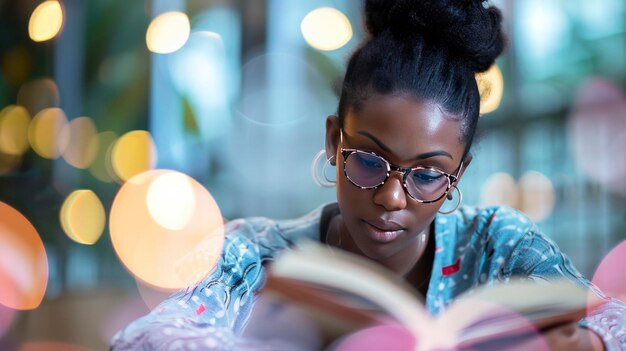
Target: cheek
{"x": 349, "y": 193}
{"x": 353, "y": 201}
{"x": 423, "y": 214}
{"x": 425, "y": 210}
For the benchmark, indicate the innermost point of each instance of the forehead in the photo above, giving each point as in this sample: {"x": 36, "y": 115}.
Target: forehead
{"x": 407, "y": 125}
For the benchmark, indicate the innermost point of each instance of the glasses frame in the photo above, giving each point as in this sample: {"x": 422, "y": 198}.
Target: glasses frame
{"x": 393, "y": 168}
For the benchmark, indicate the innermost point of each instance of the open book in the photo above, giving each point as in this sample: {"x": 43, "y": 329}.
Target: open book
{"x": 345, "y": 293}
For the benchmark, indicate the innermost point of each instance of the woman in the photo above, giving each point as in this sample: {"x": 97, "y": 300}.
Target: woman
{"x": 407, "y": 116}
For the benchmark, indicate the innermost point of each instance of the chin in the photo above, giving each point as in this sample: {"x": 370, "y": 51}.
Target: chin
{"x": 384, "y": 247}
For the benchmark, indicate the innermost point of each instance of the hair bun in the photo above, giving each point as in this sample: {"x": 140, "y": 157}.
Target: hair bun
{"x": 467, "y": 27}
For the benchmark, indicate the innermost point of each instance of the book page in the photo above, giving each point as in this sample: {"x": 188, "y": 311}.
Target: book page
{"x": 516, "y": 307}
{"x": 336, "y": 270}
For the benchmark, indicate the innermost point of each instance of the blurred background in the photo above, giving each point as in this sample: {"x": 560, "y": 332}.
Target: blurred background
{"x": 231, "y": 97}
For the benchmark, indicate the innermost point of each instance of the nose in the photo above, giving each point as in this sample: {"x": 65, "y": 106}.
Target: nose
{"x": 391, "y": 195}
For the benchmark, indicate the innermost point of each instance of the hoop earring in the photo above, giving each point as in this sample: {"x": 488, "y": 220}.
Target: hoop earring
{"x": 326, "y": 183}
{"x": 449, "y": 197}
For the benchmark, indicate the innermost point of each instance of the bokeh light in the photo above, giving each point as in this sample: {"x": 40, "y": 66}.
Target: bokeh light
{"x": 202, "y": 73}
{"x": 78, "y": 134}
{"x": 83, "y": 217}
{"x": 14, "y": 121}
{"x": 536, "y": 195}
{"x": 171, "y": 200}
{"x": 168, "y": 32}
{"x": 544, "y": 33}
{"x": 491, "y": 87}
{"x": 133, "y": 153}
{"x": 609, "y": 275}
{"x": 499, "y": 189}
{"x": 326, "y": 28}
{"x": 159, "y": 256}
{"x": 46, "y": 21}
{"x": 44, "y": 132}
{"x": 23, "y": 261}
{"x": 300, "y": 98}
{"x": 39, "y": 94}
{"x": 108, "y": 163}
{"x": 101, "y": 167}
{"x": 197, "y": 67}
{"x": 597, "y": 133}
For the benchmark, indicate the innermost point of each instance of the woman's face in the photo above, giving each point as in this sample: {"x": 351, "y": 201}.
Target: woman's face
{"x": 406, "y": 132}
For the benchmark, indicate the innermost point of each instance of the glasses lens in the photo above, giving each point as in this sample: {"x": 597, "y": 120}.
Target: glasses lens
{"x": 427, "y": 184}
{"x": 365, "y": 170}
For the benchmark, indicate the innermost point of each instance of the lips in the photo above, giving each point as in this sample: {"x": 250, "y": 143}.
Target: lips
{"x": 384, "y": 231}
{"x": 386, "y": 225}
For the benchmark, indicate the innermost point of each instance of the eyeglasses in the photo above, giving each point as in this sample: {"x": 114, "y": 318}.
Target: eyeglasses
{"x": 366, "y": 170}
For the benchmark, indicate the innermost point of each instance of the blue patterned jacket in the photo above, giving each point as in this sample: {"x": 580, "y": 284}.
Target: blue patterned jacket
{"x": 473, "y": 246}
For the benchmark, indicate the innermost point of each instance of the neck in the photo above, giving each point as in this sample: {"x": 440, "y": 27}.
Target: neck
{"x": 412, "y": 258}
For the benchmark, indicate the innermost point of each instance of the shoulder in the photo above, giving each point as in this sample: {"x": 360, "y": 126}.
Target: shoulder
{"x": 249, "y": 243}
{"x": 493, "y": 232}
{"x": 490, "y": 219}
{"x": 274, "y": 233}
{"x": 508, "y": 242}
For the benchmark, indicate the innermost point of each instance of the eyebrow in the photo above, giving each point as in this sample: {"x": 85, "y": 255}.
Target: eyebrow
{"x": 419, "y": 157}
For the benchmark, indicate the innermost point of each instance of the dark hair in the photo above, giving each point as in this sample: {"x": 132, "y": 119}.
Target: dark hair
{"x": 430, "y": 49}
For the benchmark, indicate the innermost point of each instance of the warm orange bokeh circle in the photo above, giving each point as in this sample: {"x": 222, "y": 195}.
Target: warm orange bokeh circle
{"x": 23, "y": 261}
{"x": 160, "y": 255}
